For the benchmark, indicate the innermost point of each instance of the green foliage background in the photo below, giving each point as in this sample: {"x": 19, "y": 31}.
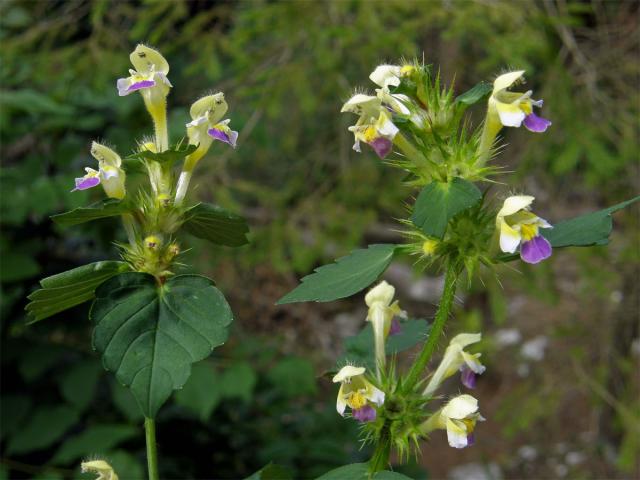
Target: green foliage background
{"x": 286, "y": 68}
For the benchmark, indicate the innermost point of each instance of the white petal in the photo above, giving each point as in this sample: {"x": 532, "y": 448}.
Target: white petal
{"x": 457, "y": 439}
{"x": 460, "y": 407}
{"x": 383, "y": 292}
{"x": 341, "y": 405}
{"x": 360, "y": 103}
{"x": 514, "y": 204}
{"x": 509, "y": 238}
{"x": 376, "y": 396}
{"x": 506, "y": 80}
{"x": 348, "y": 371}
{"x": 511, "y": 118}
{"x": 385, "y": 75}
{"x": 464, "y": 339}
{"x": 542, "y": 223}
{"x": 388, "y": 129}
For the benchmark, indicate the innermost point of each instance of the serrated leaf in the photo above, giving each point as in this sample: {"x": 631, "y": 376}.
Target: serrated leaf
{"x": 474, "y": 94}
{"x": 173, "y": 154}
{"x": 96, "y": 438}
{"x": 202, "y": 393}
{"x": 70, "y": 288}
{"x": 439, "y": 202}
{"x": 109, "y": 207}
{"x": 586, "y": 230}
{"x": 44, "y": 427}
{"x": 150, "y": 335}
{"x": 359, "y": 348}
{"x": 219, "y": 226}
{"x": 347, "y": 276}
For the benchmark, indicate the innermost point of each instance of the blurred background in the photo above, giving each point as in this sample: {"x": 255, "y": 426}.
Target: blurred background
{"x": 561, "y": 341}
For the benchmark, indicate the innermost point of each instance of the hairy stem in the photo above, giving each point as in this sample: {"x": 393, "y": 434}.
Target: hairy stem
{"x": 152, "y": 452}
{"x": 446, "y": 302}
{"x": 380, "y": 458}
{"x": 408, "y": 150}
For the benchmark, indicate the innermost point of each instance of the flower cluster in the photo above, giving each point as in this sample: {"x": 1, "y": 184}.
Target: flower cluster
{"x": 365, "y": 395}
{"x": 160, "y": 213}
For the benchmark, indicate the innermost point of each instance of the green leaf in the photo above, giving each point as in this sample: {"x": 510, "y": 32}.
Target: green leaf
{"x": 238, "y": 381}
{"x": 293, "y": 376}
{"x": 475, "y": 94}
{"x": 68, "y": 289}
{"x": 13, "y": 410}
{"x": 201, "y": 394}
{"x": 360, "y": 471}
{"x": 42, "y": 430}
{"x": 18, "y": 266}
{"x": 149, "y": 335}
{"x": 439, "y": 202}
{"x": 219, "y": 226}
{"x": 272, "y": 472}
{"x": 79, "y": 382}
{"x": 173, "y": 154}
{"x": 96, "y": 438}
{"x": 109, "y": 207}
{"x": 586, "y": 230}
{"x": 348, "y": 275}
{"x": 359, "y": 348}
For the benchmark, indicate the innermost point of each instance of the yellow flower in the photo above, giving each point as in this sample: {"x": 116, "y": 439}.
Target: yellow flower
{"x": 110, "y": 175}
{"x": 149, "y": 76}
{"x": 357, "y": 393}
{"x": 458, "y": 418}
{"x": 102, "y": 468}
{"x": 455, "y": 359}
{"x": 517, "y": 225}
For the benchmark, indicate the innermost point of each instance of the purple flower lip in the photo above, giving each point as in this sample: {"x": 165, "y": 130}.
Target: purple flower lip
{"x": 534, "y": 123}
{"x": 139, "y": 85}
{"x": 535, "y": 250}
{"x": 364, "y": 414}
{"x": 382, "y": 146}
{"x": 471, "y": 439}
{"x": 86, "y": 183}
{"x": 228, "y": 138}
{"x": 395, "y": 328}
{"x": 468, "y": 377}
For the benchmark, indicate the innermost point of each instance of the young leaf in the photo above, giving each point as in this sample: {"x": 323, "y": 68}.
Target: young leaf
{"x": 359, "y": 350}
{"x": 348, "y": 275}
{"x": 175, "y": 153}
{"x": 475, "y": 94}
{"x": 217, "y": 225}
{"x": 150, "y": 334}
{"x": 68, "y": 289}
{"x": 439, "y": 202}
{"x": 586, "y": 230}
{"x": 102, "y": 209}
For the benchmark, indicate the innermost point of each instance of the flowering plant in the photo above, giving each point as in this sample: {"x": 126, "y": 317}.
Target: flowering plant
{"x": 459, "y": 223}
{"x": 150, "y": 324}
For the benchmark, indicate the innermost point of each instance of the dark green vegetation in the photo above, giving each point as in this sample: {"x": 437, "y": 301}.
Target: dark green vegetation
{"x": 287, "y": 68}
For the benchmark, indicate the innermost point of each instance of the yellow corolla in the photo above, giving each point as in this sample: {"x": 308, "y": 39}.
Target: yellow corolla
{"x": 357, "y": 393}
{"x": 110, "y": 175}
{"x": 382, "y": 310}
{"x": 458, "y": 418}
{"x": 517, "y": 225}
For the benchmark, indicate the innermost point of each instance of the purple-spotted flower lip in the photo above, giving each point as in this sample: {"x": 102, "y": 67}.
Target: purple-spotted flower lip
{"x": 224, "y": 134}
{"x": 395, "y": 328}
{"x": 84, "y": 183}
{"x": 537, "y": 124}
{"x": 382, "y": 146}
{"x": 535, "y": 250}
{"x": 467, "y": 377}
{"x": 364, "y": 414}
